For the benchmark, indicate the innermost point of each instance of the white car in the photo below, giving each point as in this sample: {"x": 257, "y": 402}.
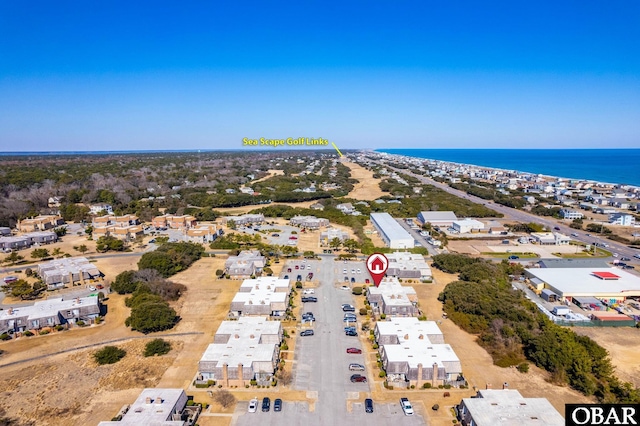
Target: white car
{"x": 308, "y": 267}
{"x": 345, "y": 287}
{"x": 308, "y": 291}
{"x": 353, "y": 271}
{"x": 358, "y": 271}
{"x": 344, "y": 271}
{"x": 615, "y": 255}
{"x": 406, "y": 407}
{"x": 92, "y": 288}
{"x": 253, "y": 405}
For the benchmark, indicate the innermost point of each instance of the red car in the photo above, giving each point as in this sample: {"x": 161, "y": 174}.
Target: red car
{"x": 297, "y": 267}
{"x": 354, "y": 351}
{"x": 367, "y": 281}
{"x": 358, "y": 378}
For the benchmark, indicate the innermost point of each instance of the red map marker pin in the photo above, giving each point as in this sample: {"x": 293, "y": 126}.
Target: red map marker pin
{"x": 377, "y": 265}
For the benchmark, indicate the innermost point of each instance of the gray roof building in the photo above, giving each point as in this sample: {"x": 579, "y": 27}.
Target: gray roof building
{"x": 393, "y": 299}
{"x": 58, "y": 272}
{"x": 158, "y": 407}
{"x": 408, "y": 265}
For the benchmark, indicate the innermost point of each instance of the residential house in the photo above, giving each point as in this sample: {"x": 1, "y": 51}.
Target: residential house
{"x": 158, "y": 407}
{"x": 246, "y": 264}
{"x": 346, "y": 208}
{"x": 243, "y": 350}
{"x": 550, "y": 238}
{"x": 40, "y": 223}
{"x": 203, "y": 233}
{"x": 100, "y": 209}
{"x": 408, "y": 265}
{"x": 571, "y": 214}
{"x": 49, "y": 313}
{"x": 622, "y": 219}
{"x": 391, "y": 298}
{"x": 69, "y": 270}
{"x": 262, "y": 296}
{"x": 506, "y": 407}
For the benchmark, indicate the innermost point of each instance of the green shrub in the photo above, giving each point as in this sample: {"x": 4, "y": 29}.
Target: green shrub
{"x": 382, "y": 374}
{"x": 298, "y": 284}
{"x": 5, "y": 336}
{"x": 426, "y": 385}
{"x": 383, "y": 316}
{"x": 523, "y": 367}
{"x": 363, "y": 311}
{"x": 97, "y": 320}
{"x": 375, "y": 346}
{"x": 109, "y": 355}
{"x": 356, "y": 290}
{"x": 59, "y": 327}
{"x": 44, "y": 332}
{"x": 412, "y": 386}
{"x": 28, "y": 333}
{"x": 157, "y": 347}
{"x": 80, "y": 323}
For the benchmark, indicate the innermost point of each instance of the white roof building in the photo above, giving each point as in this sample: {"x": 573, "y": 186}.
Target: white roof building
{"x": 391, "y": 298}
{"x": 550, "y": 238}
{"x": 243, "y": 350}
{"x": 154, "y": 407}
{"x": 401, "y": 329}
{"x": 506, "y": 407}
{"x": 604, "y": 283}
{"x": 262, "y": 296}
{"x": 437, "y": 218}
{"x": 49, "y": 313}
{"x": 418, "y": 361}
{"x": 310, "y": 222}
{"x": 466, "y": 226}
{"x": 58, "y": 272}
{"x": 391, "y": 232}
{"x": 408, "y": 265}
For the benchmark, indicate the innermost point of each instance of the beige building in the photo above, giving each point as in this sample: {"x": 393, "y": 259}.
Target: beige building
{"x": 40, "y": 223}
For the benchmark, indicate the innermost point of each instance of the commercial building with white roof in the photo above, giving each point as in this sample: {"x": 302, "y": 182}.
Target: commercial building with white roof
{"x": 506, "y": 407}
{"x": 242, "y": 351}
{"x": 331, "y": 233}
{"x": 245, "y": 219}
{"x": 550, "y": 238}
{"x": 399, "y": 329}
{"x": 393, "y": 235}
{"x": 262, "y": 296}
{"x": 158, "y": 407}
{"x": 466, "y": 226}
{"x": 391, "y": 298}
{"x": 49, "y": 313}
{"x": 408, "y": 265}
{"x": 437, "y": 218}
{"x": 611, "y": 284}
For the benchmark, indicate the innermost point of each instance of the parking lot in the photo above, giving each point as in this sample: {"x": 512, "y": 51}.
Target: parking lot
{"x": 322, "y": 361}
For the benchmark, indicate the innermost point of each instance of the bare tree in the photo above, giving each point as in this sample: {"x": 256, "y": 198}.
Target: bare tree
{"x": 224, "y": 398}
{"x": 285, "y": 377}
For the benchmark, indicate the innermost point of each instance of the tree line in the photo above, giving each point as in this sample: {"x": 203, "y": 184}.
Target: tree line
{"x": 513, "y": 330}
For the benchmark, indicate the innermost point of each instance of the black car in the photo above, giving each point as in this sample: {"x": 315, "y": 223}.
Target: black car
{"x": 306, "y": 333}
{"x": 299, "y": 278}
{"x": 266, "y": 404}
{"x": 368, "y": 405}
{"x": 348, "y": 309}
{"x": 309, "y": 299}
{"x": 351, "y": 333}
{"x": 277, "y": 404}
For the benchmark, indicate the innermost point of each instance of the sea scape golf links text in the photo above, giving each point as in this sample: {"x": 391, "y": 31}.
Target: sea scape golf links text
{"x": 283, "y": 142}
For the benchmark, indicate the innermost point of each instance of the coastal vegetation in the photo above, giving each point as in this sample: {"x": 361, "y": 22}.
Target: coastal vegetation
{"x": 512, "y": 330}
{"x": 171, "y": 258}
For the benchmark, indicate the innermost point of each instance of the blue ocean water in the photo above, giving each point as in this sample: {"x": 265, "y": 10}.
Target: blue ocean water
{"x": 620, "y": 166}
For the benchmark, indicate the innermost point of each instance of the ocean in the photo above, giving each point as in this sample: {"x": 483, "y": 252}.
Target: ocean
{"x": 619, "y": 166}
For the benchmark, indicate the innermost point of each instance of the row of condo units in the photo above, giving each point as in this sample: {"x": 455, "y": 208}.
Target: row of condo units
{"x": 248, "y": 348}
{"x": 68, "y": 271}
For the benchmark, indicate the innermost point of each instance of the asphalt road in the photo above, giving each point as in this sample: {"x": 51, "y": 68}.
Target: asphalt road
{"x": 322, "y": 363}
{"x": 525, "y": 217}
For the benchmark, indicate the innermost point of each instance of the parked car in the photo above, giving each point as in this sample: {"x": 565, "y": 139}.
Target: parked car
{"x": 308, "y": 267}
{"x": 297, "y": 267}
{"x": 348, "y": 309}
{"x": 514, "y": 257}
{"x": 345, "y": 287}
{"x": 92, "y": 288}
{"x": 344, "y": 271}
{"x": 358, "y": 378}
{"x": 625, "y": 259}
{"x": 275, "y": 235}
{"x": 556, "y": 228}
{"x": 406, "y": 406}
{"x": 346, "y": 279}
{"x": 355, "y": 367}
{"x": 299, "y": 277}
{"x": 266, "y": 404}
{"x": 253, "y": 405}
{"x": 367, "y": 281}
{"x": 349, "y": 327}
{"x": 306, "y": 333}
{"x": 349, "y": 319}
{"x": 368, "y": 405}
{"x": 354, "y": 351}
{"x": 286, "y": 277}
{"x": 277, "y": 404}
{"x": 288, "y": 269}
{"x": 574, "y": 235}
{"x": 308, "y": 291}
{"x": 309, "y": 299}
{"x": 351, "y": 333}
{"x": 353, "y": 280}
{"x": 309, "y": 276}
{"x": 99, "y": 286}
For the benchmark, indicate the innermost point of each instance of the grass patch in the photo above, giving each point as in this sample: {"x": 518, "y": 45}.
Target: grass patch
{"x": 521, "y": 255}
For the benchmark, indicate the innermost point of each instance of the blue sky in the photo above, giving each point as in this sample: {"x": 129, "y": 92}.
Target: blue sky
{"x": 425, "y": 74}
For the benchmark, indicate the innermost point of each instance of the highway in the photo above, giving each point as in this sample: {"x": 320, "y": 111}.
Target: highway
{"x": 525, "y": 217}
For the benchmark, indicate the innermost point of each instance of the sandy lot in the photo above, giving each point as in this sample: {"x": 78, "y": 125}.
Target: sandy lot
{"x": 477, "y": 247}
{"x": 271, "y": 173}
{"x": 477, "y": 364}
{"x": 623, "y": 344}
{"x": 368, "y": 187}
